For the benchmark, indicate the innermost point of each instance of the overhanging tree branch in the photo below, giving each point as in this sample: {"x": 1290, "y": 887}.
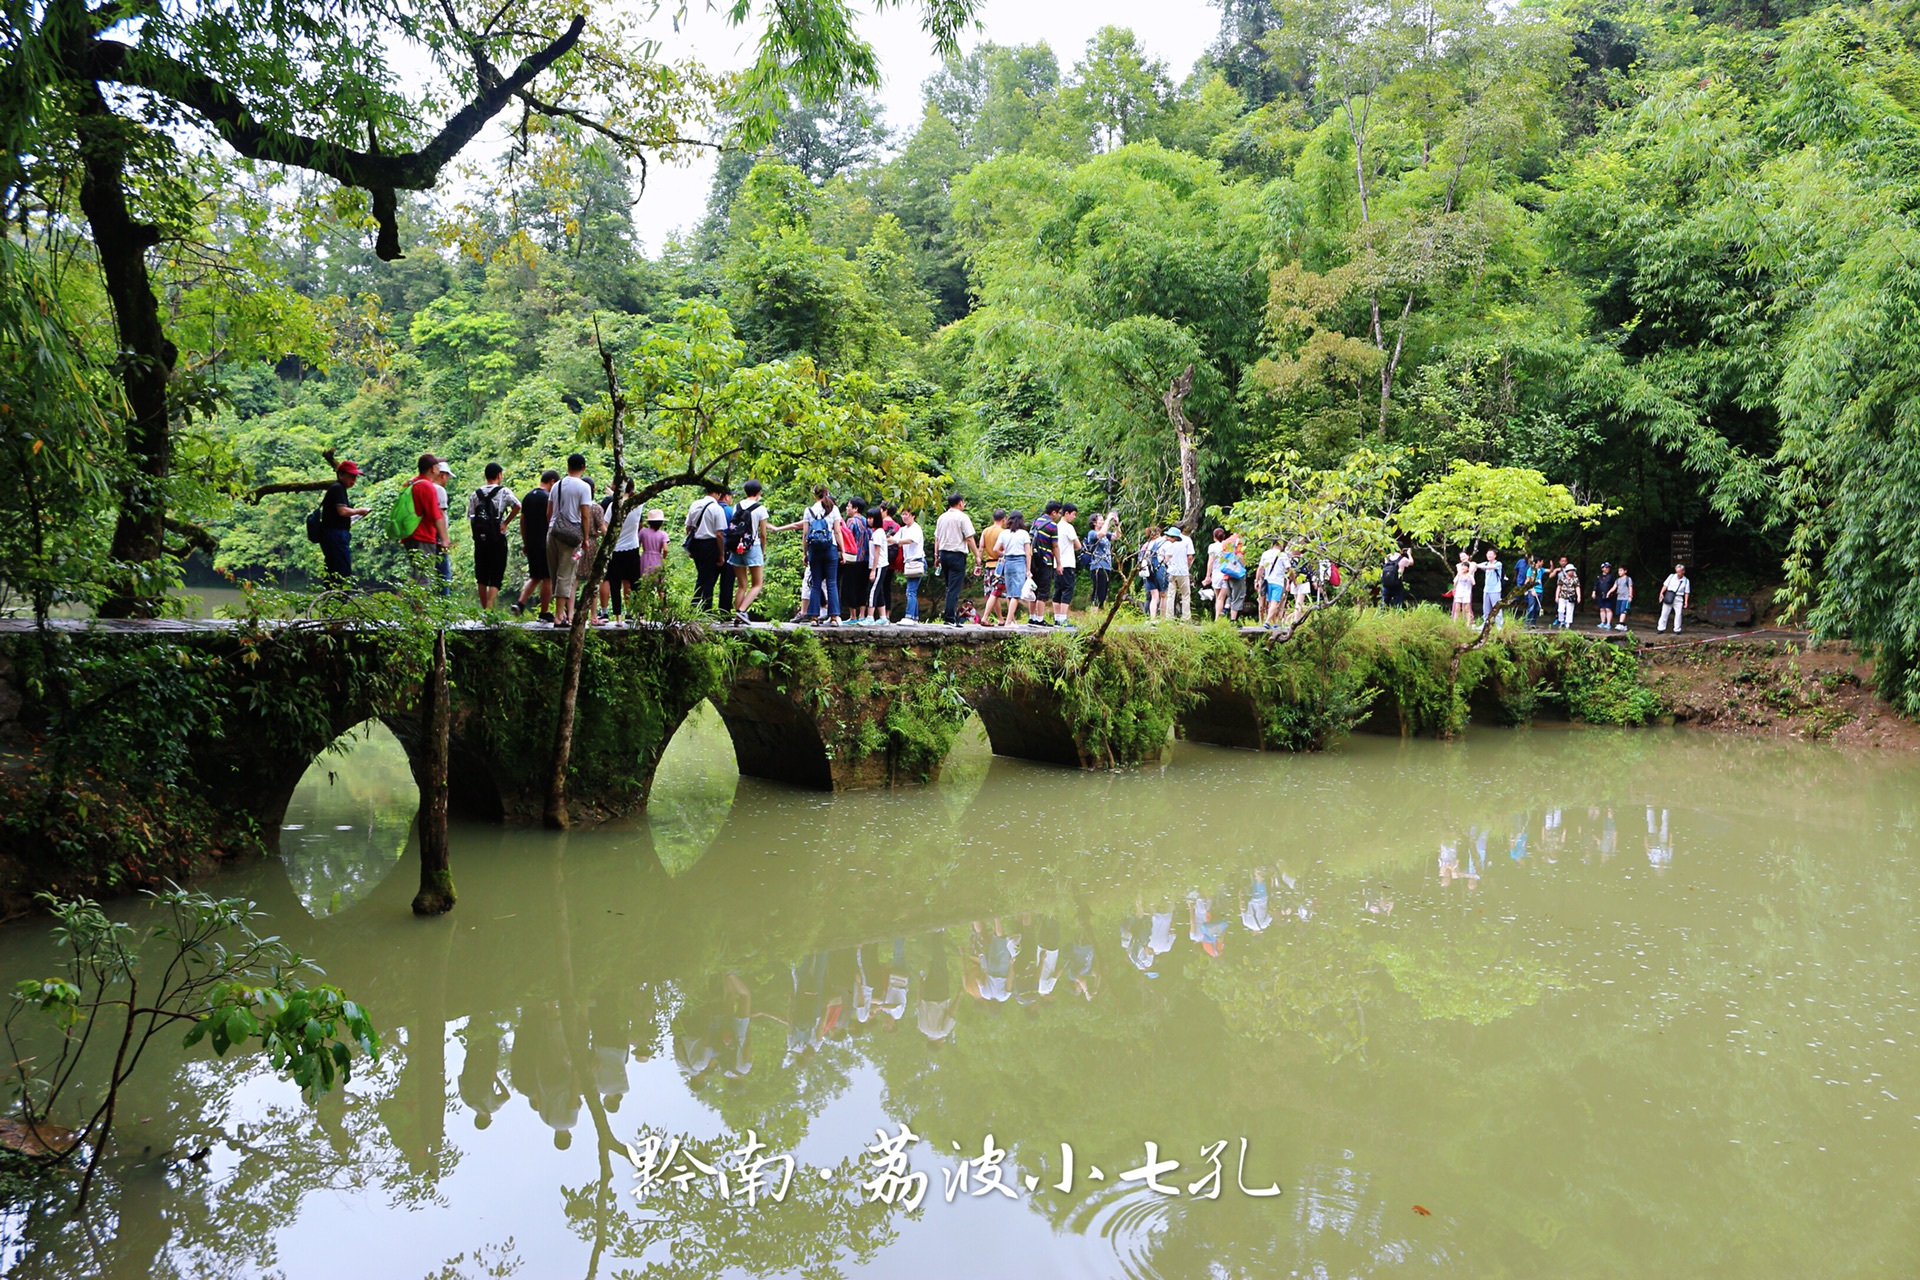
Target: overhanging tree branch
{"x": 378, "y": 174}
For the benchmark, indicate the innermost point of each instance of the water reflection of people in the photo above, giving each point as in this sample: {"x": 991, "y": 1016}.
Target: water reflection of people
{"x": 936, "y": 992}
{"x": 1659, "y": 844}
{"x": 881, "y": 983}
{"x": 803, "y": 1005}
{"x": 541, "y": 1071}
{"x": 610, "y": 1037}
{"x": 841, "y": 974}
{"x": 1145, "y": 936}
{"x": 714, "y": 1034}
{"x": 1553, "y": 835}
{"x": 1254, "y": 904}
{"x": 480, "y": 1085}
{"x": 1046, "y": 956}
{"x": 1202, "y": 928}
{"x": 993, "y": 953}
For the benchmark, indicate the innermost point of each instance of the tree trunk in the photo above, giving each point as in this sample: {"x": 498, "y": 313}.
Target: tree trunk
{"x": 556, "y": 815}
{"x": 146, "y": 357}
{"x": 436, "y": 896}
{"x": 1176, "y": 397}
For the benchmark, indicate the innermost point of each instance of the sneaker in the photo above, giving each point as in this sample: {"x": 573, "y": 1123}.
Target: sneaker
{"x": 740, "y": 616}
{"x": 516, "y": 608}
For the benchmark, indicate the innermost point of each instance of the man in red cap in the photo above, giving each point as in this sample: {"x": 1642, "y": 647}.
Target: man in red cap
{"x": 337, "y": 515}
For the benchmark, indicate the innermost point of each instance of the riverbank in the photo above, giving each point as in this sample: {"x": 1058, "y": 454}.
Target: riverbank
{"x": 1774, "y": 686}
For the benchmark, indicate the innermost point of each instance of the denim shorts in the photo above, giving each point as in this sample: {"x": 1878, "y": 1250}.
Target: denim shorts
{"x": 755, "y": 556}
{"x": 1013, "y": 575}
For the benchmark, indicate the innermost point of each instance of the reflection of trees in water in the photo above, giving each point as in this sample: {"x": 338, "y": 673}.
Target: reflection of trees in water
{"x": 162, "y": 1214}
{"x": 365, "y": 788}
{"x": 1311, "y": 1035}
{"x": 693, "y": 790}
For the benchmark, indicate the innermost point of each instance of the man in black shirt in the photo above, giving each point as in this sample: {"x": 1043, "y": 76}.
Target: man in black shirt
{"x": 337, "y": 514}
{"x": 535, "y": 509}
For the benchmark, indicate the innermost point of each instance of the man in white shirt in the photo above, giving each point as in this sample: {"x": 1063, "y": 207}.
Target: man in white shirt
{"x": 706, "y": 525}
{"x": 1066, "y": 563}
{"x": 1178, "y": 556}
{"x": 566, "y": 530}
{"x": 954, "y": 541}
{"x": 1674, "y": 594}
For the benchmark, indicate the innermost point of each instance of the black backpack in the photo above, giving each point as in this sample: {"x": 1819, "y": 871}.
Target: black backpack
{"x": 486, "y": 516}
{"x": 740, "y": 529}
{"x": 316, "y": 521}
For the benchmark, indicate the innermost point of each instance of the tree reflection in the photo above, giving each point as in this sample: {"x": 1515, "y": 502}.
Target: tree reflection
{"x": 1378, "y": 1032}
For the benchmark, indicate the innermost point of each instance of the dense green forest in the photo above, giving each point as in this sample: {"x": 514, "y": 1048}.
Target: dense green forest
{"x": 1665, "y": 254}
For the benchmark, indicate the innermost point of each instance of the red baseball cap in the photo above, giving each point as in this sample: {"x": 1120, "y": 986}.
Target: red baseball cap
{"x": 348, "y": 468}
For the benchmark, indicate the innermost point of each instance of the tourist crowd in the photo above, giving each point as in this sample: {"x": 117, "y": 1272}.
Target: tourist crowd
{"x": 861, "y": 557}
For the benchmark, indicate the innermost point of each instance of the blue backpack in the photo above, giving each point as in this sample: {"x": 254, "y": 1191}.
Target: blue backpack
{"x": 819, "y": 531}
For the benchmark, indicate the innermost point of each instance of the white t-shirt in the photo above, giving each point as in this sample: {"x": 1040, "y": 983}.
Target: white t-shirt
{"x": 912, "y": 539}
{"x": 1177, "y": 554}
{"x": 1049, "y": 970}
{"x": 1065, "y": 544}
{"x": 1677, "y": 584}
{"x": 894, "y": 1003}
{"x": 951, "y": 531}
{"x": 815, "y": 511}
{"x": 1016, "y": 542}
{"x": 1273, "y": 565}
{"x": 706, "y": 518}
{"x": 630, "y": 531}
{"x": 878, "y": 543}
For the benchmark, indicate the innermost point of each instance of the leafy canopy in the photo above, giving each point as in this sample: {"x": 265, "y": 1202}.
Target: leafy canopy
{"x": 1476, "y": 505}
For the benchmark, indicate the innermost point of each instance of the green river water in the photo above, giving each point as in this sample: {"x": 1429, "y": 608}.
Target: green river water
{"x": 1601, "y": 1004}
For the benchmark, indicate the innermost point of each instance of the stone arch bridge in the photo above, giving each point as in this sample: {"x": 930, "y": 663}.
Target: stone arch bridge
{"x": 825, "y": 709}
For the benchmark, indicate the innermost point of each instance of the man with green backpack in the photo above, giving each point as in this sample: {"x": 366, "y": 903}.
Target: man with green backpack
{"x": 419, "y": 521}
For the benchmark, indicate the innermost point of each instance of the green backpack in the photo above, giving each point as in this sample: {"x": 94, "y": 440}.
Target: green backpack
{"x": 403, "y": 519}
